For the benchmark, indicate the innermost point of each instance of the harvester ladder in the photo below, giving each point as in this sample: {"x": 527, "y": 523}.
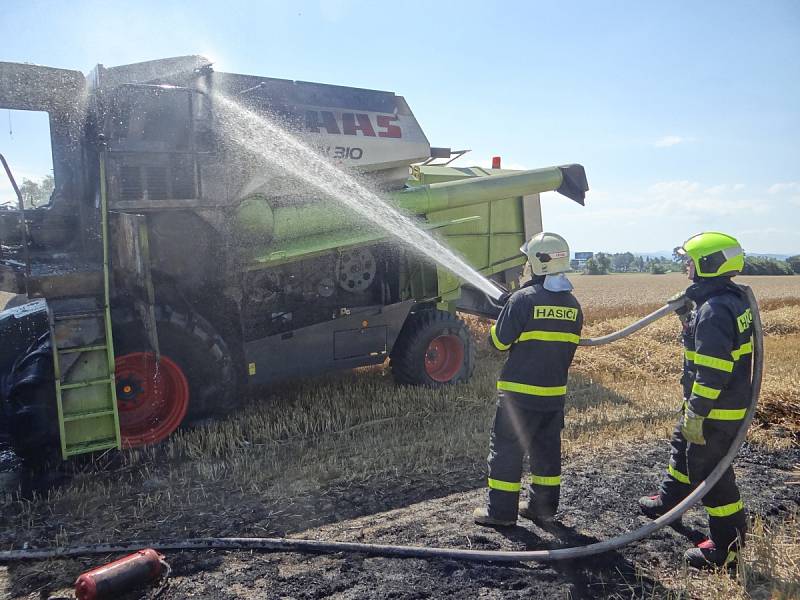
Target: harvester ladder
{"x": 83, "y": 360}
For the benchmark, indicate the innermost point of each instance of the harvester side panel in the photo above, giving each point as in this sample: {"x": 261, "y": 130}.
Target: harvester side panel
{"x": 490, "y": 243}
{"x": 362, "y": 336}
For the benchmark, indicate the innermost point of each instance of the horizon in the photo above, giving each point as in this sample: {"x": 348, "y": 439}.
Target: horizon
{"x": 684, "y": 115}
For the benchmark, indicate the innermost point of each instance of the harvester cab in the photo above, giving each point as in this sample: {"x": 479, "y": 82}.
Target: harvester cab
{"x": 176, "y": 269}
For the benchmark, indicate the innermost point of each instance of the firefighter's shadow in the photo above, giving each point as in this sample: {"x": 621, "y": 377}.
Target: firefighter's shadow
{"x": 608, "y": 572}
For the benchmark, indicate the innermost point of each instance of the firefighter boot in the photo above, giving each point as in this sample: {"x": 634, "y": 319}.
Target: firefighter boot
{"x": 536, "y": 513}
{"x": 707, "y": 556}
{"x": 481, "y": 516}
{"x": 654, "y": 506}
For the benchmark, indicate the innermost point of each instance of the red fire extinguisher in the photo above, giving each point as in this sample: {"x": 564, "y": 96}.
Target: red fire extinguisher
{"x": 128, "y": 573}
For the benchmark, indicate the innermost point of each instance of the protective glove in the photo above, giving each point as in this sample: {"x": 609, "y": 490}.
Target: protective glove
{"x": 503, "y": 299}
{"x": 684, "y": 310}
{"x": 692, "y": 428}
{"x": 500, "y": 302}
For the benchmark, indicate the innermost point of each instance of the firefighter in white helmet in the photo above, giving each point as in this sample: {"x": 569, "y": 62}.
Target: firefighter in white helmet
{"x": 539, "y": 327}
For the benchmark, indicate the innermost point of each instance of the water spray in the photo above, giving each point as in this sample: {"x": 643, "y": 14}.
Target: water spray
{"x": 271, "y": 144}
{"x": 389, "y": 550}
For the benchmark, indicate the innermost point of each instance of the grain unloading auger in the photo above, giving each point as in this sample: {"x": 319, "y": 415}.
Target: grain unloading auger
{"x": 389, "y": 550}
{"x": 170, "y": 269}
{"x": 307, "y": 228}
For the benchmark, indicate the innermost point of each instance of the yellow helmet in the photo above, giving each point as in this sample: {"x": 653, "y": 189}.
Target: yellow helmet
{"x": 714, "y": 254}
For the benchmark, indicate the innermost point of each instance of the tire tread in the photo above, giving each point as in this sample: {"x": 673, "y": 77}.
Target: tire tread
{"x": 407, "y": 357}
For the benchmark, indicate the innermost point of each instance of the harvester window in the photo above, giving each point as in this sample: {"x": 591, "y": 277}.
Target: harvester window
{"x": 27, "y": 147}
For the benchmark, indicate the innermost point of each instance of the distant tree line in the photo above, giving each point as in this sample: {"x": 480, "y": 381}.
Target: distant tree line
{"x": 34, "y": 193}
{"x": 626, "y": 262}
{"x": 756, "y": 265}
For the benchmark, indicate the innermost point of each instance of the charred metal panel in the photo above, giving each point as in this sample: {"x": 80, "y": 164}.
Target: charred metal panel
{"x": 12, "y": 279}
{"x": 167, "y": 70}
{"x": 59, "y": 281}
{"x": 130, "y": 251}
{"x": 329, "y": 345}
{"x": 34, "y": 87}
{"x": 62, "y": 94}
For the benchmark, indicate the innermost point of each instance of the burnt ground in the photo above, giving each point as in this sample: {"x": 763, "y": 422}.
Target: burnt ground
{"x": 598, "y": 502}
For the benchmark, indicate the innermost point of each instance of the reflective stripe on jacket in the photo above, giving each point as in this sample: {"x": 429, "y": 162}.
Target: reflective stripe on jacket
{"x": 540, "y": 330}
{"x": 718, "y": 347}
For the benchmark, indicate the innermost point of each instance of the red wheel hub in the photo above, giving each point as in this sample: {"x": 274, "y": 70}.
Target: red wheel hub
{"x": 152, "y": 398}
{"x": 444, "y": 357}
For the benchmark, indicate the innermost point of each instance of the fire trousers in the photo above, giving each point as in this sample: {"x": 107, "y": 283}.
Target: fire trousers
{"x": 517, "y": 430}
{"x": 690, "y": 464}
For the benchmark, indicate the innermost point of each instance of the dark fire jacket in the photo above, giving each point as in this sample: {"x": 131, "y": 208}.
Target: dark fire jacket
{"x": 540, "y": 330}
{"x": 718, "y": 349}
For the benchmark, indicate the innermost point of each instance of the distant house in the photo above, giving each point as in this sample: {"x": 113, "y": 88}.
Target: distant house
{"x": 579, "y": 262}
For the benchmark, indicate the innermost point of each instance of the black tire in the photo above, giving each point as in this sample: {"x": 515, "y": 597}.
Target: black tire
{"x": 191, "y": 342}
{"x": 33, "y": 426}
{"x": 409, "y": 353}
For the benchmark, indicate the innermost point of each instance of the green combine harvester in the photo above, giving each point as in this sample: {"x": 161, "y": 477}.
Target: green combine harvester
{"x": 166, "y": 273}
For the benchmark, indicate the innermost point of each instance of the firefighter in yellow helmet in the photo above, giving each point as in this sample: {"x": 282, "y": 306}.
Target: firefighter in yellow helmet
{"x": 717, "y": 339}
{"x": 539, "y": 327}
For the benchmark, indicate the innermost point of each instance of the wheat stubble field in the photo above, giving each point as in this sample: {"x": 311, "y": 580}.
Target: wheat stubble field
{"x": 354, "y": 457}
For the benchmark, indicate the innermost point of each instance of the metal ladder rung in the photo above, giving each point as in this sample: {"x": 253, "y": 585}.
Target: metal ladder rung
{"x": 87, "y": 383}
{"x": 106, "y": 444}
{"x": 83, "y": 314}
{"x": 82, "y": 349}
{"x": 89, "y": 414}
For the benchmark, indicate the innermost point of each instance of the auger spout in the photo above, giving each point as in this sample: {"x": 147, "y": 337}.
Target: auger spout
{"x": 569, "y": 180}
{"x": 256, "y": 219}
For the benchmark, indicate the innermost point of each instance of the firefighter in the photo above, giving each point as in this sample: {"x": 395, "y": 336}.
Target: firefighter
{"x": 539, "y": 327}
{"x": 717, "y": 339}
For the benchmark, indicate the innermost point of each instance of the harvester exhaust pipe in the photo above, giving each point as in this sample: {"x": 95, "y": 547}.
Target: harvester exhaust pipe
{"x": 319, "y": 546}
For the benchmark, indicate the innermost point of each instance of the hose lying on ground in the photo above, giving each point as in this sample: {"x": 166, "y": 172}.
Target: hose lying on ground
{"x": 319, "y": 546}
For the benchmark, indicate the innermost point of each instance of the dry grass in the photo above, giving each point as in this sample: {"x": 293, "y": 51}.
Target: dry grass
{"x": 347, "y": 429}
{"x": 628, "y": 294}
{"x": 769, "y": 568}
{"x": 4, "y": 298}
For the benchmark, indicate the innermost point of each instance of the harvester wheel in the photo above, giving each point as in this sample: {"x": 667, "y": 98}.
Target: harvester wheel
{"x": 434, "y": 348}
{"x": 33, "y": 426}
{"x": 194, "y": 380}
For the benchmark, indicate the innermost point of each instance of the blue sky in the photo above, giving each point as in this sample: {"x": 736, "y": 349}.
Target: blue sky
{"x": 686, "y": 115}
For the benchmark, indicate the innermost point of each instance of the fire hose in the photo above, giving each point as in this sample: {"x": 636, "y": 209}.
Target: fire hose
{"x": 398, "y": 551}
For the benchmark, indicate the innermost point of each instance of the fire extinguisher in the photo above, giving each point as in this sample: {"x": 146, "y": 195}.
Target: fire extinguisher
{"x": 128, "y": 573}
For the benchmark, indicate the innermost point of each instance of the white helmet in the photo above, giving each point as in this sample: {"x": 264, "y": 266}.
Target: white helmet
{"x": 548, "y": 253}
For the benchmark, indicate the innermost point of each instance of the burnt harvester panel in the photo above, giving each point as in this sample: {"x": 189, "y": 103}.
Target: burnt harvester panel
{"x": 203, "y": 270}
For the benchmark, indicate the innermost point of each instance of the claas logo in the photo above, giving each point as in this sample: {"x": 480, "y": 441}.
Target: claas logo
{"x": 325, "y": 121}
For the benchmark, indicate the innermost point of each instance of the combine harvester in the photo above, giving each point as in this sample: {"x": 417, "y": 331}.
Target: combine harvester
{"x": 166, "y": 273}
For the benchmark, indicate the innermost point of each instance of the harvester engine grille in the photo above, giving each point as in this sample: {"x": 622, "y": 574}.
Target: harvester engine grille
{"x": 130, "y": 183}
{"x": 173, "y": 179}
